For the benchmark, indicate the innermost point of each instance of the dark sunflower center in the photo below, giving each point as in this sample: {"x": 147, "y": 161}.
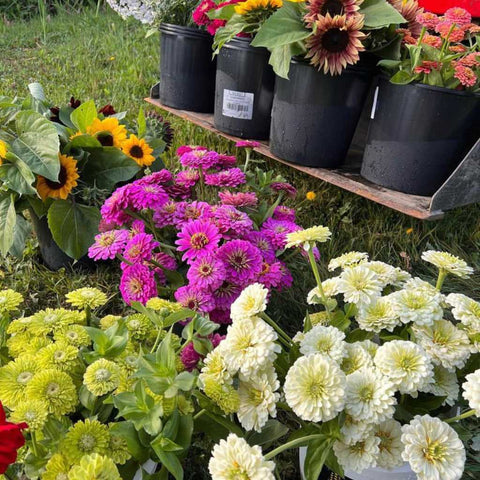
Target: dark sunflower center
{"x": 62, "y": 179}
{"x": 335, "y": 40}
{"x": 333, "y": 7}
{"x": 136, "y": 151}
{"x": 106, "y": 139}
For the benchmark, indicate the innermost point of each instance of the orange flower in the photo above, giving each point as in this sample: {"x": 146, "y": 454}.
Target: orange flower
{"x": 138, "y": 150}
{"x": 67, "y": 180}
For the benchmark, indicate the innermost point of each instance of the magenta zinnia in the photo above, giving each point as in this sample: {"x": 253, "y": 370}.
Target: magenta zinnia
{"x": 197, "y": 237}
{"x": 108, "y": 244}
{"x": 140, "y": 248}
{"x": 144, "y": 196}
{"x": 336, "y": 42}
{"x": 137, "y": 284}
{"x": 194, "y": 299}
{"x": 233, "y": 177}
{"x": 199, "y": 159}
{"x": 243, "y": 261}
{"x": 239, "y": 199}
{"x": 206, "y": 272}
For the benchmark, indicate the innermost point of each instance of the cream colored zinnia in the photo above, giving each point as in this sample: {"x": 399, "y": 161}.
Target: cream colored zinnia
{"x": 326, "y": 340}
{"x": 416, "y": 306}
{"x": 347, "y": 260}
{"x": 315, "y": 388}
{"x": 466, "y": 310}
{"x": 359, "y": 285}
{"x": 405, "y": 364}
{"x": 355, "y": 357}
{"x": 433, "y": 449}
{"x": 308, "y": 236}
{"x": 234, "y": 458}
{"x": 357, "y": 456}
{"x": 471, "y": 391}
{"x": 378, "y": 315}
{"x": 251, "y": 302}
{"x": 329, "y": 288}
{"x": 445, "y": 384}
{"x": 447, "y": 262}
{"x": 390, "y": 447}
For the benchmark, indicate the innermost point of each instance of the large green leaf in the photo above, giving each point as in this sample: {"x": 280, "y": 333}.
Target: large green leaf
{"x": 84, "y": 115}
{"x": 37, "y": 144}
{"x": 108, "y": 166}
{"x": 73, "y": 226}
{"x": 21, "y": 232}
{"x": 379, "y": 14}
{"x": 16, "y": 175}
{"x": 317, "y": 452}
{"x": 8, "y": 219}
{"x": 234, "y": 26}
{"x": 284, "y": 27}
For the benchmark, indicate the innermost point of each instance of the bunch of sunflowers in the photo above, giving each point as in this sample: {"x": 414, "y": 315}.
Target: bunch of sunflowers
{"x": 61, "y": 163}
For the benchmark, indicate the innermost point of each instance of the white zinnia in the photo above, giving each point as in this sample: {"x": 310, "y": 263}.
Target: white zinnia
{"x": 448, "y": 262}
{"x": 416, "y": 306}
{"x": 249, "y": 346}
{"x": 433, "y": 449}
{"x": 215, "y": 368}
{"x": 385, "y": 272}
{"x": 357, "y": 456}
{"x": 359, "y": 285}
{"x": 369, "y": 396}
{"x": 405, "y": 364}
{"x": 235, "y": 458}
{"x": 471, "y": 390}
{"x": 369, "y": 346}
{"x": 445, "y": 384}
{"x": 315, "y": 388}
{"x": 445, "y": 343}
{"x": 419, "y": 285}
{"x": 379, "y": 315}
{"x": 353, "y": 431}
{"x": 391, "y": 447}
{"x": 466, "y": 310}
{"x": 329, "y": 287}
{"x": 326, "y": 340}
{"x": 308, "y": 236}
{"x": 347, "y": 260}
{"x": 251, "y": 302}
{"x": 258, "y": 399}
{"x": 355, "y": 357}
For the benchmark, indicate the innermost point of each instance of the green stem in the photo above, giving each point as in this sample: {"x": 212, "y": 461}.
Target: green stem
{"x": 202, "y": 183}
{"x": 199, "y": 414}
{"x": 318, "y": 279}
{"x": 88, "y": 315}
{"x": 247, "y": 160}
{"x": 298, "y": 442}
{"x": 282, "y": 336}
{"x": 350, "y": 310}
{"x": 442, "y": 275}
{"x": 464, "y": 415}
{"x": 34, "y": 443}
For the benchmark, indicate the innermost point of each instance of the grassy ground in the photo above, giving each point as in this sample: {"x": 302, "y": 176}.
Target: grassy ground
{"x": 110, "y": 60}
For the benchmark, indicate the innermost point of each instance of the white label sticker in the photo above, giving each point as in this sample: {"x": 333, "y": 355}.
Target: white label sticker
{"x": 237, "y": 104}
{"x": 374, "y": 106}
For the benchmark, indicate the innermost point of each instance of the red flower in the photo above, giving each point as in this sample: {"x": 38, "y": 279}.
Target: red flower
{"x": 107, "y": 110}
{"x": 11, "y": 439}
{"x": 427, "y": 66}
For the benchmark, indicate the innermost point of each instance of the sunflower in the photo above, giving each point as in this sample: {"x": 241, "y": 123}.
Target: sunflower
{"x": 67, "y": 180}
{"x": 3, "y": 150}
{"x": 138, "y": 150}
{"x": 108, "y": 132}
{"x": 336, "y": 42}
{"x": 249, "y": 6}
{"x": 333, "y": 7}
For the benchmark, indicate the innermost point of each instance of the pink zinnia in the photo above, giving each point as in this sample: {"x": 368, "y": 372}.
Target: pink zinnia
{"x": 190, "y": 357}
{"x": 136, "y": 227}
{"x": 108, "y": 244}
{"x": 189, "y": 148}
{"x": 192, "y": 211}
{"x": 243, "y": 261}
{"x": 206, "y": 272}
{"x": 284, "y": 213}
{"x": 137, "y": 284}
{"x": 427, "y": 66}
{"x": 232, "y": 223}
{"x": 197, "y": 237}
{"x": 466, "y": 75}
{"x": 470, "y": 60}
{"x": 276, "y": 231}
{"x": 214, "y": 25}
{"x": 194, "y": 299}
{"x": 225, "y": 161}
{"x": 147, "y": 196}
{"x": 113, "y": 210}
{"x": 428, "y": 20}
{"x": 179, "y": 191}
{"x": 263, "y": 244}
{"x": 284, "y": 187}
{"x": 239, "y": 199}
{"x": 199, "y": 15}
{"x": 225, "y": 295}
{"x": 458, "y": 15}
{"x": 247, "y": 144}
{"x": 163, "y": 177}
{"x": 166, "y": 214}
{"x": 188, "y": 178}
{"x": 271, "y": 274}
{"x": 140, "y": 248}
{"x": 445, "y": 30}
{"x": 166, "y": 261}
{"x": 220, "y": 316}
{"x": 199, "y": 159}
{"x": 287, "y": 279}
{"x": 432, "y": 40}
{"x": 232, "y": 177}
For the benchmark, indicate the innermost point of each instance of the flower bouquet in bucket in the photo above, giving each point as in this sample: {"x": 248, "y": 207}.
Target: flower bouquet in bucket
{"x": 379, "y": 379}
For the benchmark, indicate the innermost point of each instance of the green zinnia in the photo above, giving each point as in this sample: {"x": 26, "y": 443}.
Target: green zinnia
{"x": 94, "y": 467}
{"x": 74, "y": 335}
{"x": 139, "y": 327}
{"x": 14, "y": 378}
{"x": 118, "y": 448}
{"x": 57, "y": 468}
{"x": 84, "y": 438}
{"x": 33, "y": 412}
{"x": 58, "y": 355}
{"x": 49, "y": 320}
{"x": 102, "y": 377}
{"x": 86, "y": 297}
{"x": 25, "y": 343}
{"x": 9, "y": 300}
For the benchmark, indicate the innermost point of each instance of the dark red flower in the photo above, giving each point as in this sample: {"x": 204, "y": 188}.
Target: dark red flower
{"x": 107, "y": 110}
{"x": 11, "y": 439}
{"x": 74, "y": 102}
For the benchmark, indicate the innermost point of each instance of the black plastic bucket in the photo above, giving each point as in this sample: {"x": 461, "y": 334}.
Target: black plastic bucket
{"x": 244, "y": 90}
{"x": 314, "y": 115}
{"x": 187, "y": 71}
{"x": 418, "y": 136}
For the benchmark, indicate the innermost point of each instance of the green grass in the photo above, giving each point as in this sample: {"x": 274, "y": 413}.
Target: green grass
{"x": 111, "y": 61}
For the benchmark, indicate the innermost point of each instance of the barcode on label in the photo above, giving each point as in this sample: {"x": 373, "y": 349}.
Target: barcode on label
{"x": 237, "y": 104}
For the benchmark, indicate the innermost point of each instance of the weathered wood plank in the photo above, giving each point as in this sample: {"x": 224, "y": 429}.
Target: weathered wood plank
{"x": 412, "y": 205}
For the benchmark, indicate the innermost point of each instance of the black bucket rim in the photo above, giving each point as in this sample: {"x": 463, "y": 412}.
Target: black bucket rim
{"x": 244, "y": 43}
{"x": 188, "y": 31}
{"x": 349, "y": 70}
